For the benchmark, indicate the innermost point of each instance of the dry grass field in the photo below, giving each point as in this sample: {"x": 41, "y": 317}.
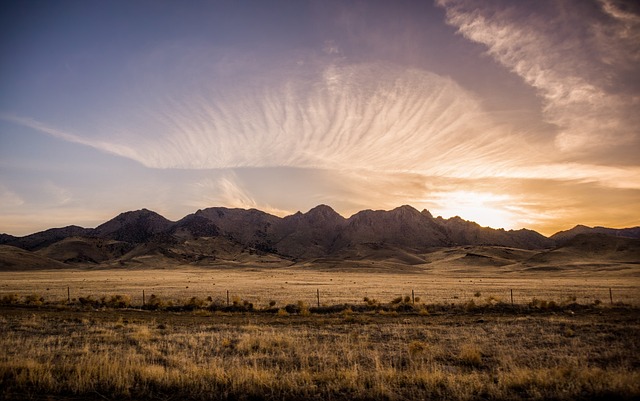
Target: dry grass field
{"x": 289, "y": 285}
{"x": 461, "y": 340}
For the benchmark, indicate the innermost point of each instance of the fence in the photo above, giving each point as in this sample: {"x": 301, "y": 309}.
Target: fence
{"x": 326, "y": 297}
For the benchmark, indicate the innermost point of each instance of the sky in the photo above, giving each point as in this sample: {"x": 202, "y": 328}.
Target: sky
{"x": 511, "y": 114}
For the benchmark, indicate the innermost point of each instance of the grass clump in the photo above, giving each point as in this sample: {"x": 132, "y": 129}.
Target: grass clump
{"x": 470, "y": 355}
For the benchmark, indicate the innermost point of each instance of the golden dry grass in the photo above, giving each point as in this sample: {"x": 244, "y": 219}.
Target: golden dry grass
{"x": 139, "y": 354}
{"x": 458, "y": 342}
{"x": 260, "y": 286}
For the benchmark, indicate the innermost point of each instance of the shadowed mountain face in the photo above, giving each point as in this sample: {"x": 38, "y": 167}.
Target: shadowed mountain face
{"x": 134, "y": 227}
{"x": 403, "y": 226}
{"x": 402, "y": 234}
{"x": 250, "y": 227}
{"x": 308, "y": 235}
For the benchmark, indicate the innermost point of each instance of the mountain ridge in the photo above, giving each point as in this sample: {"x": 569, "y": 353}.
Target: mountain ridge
{"x": 245, "y": 234}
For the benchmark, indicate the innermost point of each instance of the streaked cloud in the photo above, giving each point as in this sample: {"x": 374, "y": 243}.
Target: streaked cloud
{"x": 580, "y": 56}
{"x": 227, "y": 191}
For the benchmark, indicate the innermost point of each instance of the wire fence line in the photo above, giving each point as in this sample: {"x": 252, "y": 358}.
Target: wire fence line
{"x": 340, "y": 295}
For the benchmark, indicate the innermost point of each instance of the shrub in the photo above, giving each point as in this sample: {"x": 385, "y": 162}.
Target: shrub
{"x": 282, "y": 312}
{"x": 470, "y": 306}
{"x": 33, "y": 299}
{"x": 117, "y": 301}
{"x": 477, "y": 294}
{"x": 195, "y": 302}
{"x": 492, "y": 300}
{"x": 10, "y": 299}
{"x": 89, "y": 301}
{"x": 396, "y": 300}
{"x": 154, "y": 302}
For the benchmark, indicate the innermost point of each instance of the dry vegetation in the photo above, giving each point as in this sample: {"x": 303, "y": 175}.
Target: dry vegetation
{"x": 202, "y": 355}
{"x": 563, "y": 341}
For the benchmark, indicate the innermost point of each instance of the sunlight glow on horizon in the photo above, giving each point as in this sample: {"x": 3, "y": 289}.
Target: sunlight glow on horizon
{"x": 486, "y": 209}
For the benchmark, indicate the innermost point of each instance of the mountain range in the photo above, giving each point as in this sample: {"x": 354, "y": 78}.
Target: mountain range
{"x": 216, "y": 235}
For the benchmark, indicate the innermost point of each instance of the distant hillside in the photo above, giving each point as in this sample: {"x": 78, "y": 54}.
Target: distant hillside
{"x": 12, "y": 258}
{"x": 79, "y": 250}
{"x": 45, "y": 238}
{"x": 563, "y": 236}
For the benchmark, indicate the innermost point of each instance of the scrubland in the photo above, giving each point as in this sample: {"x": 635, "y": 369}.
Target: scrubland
{"x": 562, "y": 342}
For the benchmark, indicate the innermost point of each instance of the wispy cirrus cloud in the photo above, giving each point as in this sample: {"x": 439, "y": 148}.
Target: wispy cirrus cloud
{"x": 326, "y": 114}
{"x": 580, "y": 56}
{"x": 104, "y": 145}
{"x": 228, "y": 191}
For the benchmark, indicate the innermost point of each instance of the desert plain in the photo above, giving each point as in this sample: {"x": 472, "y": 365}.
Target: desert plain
{"x": 360, "y": 329}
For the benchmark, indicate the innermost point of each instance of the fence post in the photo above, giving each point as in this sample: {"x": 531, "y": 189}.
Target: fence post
{"x": 227, "y": 297}
{"x": 413, "y": 297}
{"x": 68, "y": 295}
{"x": 318, "y": 295}
{"x": 611, "y": 295}
{"x": 143, "y": 300}
{"x": 512, "y": 297}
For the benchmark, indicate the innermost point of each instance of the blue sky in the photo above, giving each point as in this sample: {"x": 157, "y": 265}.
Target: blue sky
{"x": 511, "y": 114}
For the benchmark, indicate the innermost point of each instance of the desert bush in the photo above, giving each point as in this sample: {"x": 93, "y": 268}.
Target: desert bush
{"x": 370, "y": 301}
{"x": 116, "y": 301}
{"x": 396, "y": 300}
{"x": 155, "y": 302}
{"x": 89, "y": 301}
{"x": 10, "y": 299}
{"x": 33, "y": 299}
{"x": 470, "y": 306}
{"x": 195, "y": 303}
{"x": 493, "y": 300}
